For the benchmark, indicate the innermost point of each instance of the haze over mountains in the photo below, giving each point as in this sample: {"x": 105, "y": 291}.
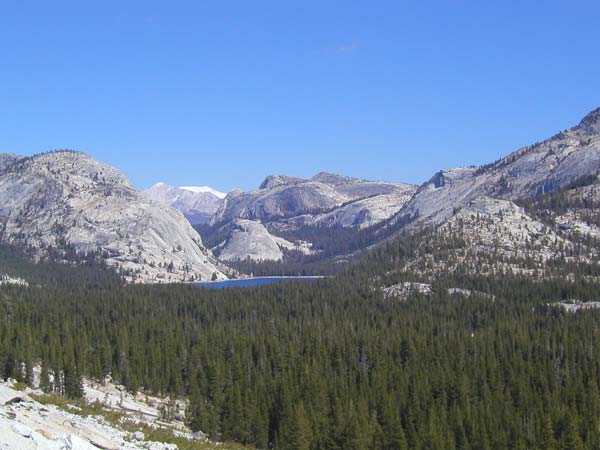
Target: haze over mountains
{"x": 67, "y": 203}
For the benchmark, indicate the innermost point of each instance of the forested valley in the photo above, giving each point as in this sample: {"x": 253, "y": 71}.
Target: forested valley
{"x": 327, "y": 365}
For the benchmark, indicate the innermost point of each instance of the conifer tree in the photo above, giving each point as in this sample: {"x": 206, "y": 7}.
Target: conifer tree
{"x": 45, "y": 384}
{"x": 299, "y": 430}
{"x": 571, "y": 440}
{"x": 548, "y": 436}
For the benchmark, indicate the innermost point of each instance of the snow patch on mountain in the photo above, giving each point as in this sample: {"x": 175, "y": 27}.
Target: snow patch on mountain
{"x": 197, "y": 203}
{"x": 204, "y": 190}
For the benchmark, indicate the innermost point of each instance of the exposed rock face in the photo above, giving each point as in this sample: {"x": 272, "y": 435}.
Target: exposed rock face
{"x": 284, "y": 203}
{"x": 574, "y": 306}
{"x": 533, "y": 213}
{"x": 67, "y": 201}
{"x": 501, "y": 227}
{"x": 359, "y": 214}
{"x": 281, "y": 197}
{"x": 334, "y": 179}
{"x": 198, "y": 204}
{"x": 492, "y": 236}
{"x": 534, "y": 170}
{"x": 578, "y": 213}
{"x": 369, "y": 211}
{"x": 406, "y": 289}
{"x": 250, "y": 239}
{"x": 288, "y": 203}
{"x": 6, "y": 159}
{"x": 66, "y": 198}
{"x": 273, "y": 181}
{"x": 279, "y": 202}
{"x": 28, "y": 424}
{"x": 6, "y": 279}
{"x": 590, "y": 124}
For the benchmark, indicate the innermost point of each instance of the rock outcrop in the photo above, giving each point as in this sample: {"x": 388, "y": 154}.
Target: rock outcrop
{"x": 281, "y": 197}
{"x": 249, "y": 239}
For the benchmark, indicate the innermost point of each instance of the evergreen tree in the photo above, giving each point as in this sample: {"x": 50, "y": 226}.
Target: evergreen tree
{"x": 72, "y": 385}
{"x": 571, "y": 440}
{"x": 299, "y": 430}
{"x": 45, "y": 384}
{"x": 548, "y": 436}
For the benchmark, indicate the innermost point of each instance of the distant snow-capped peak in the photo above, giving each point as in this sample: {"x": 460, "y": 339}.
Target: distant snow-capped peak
{"x": 197, "y": 203}
{"x": 204, "y": 189}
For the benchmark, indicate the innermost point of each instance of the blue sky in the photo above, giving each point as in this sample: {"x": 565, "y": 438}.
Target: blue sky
{"x": 224, "y": 93}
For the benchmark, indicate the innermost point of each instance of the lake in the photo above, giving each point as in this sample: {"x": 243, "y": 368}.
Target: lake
{"x": 250, "y": 282}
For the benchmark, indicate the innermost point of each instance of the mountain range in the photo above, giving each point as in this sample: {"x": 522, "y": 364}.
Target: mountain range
{"x": 197, "y": 203}
{"x": 67, "y": 204}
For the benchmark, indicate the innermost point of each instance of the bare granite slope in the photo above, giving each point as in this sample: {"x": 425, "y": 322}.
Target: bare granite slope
{"x": 533, "y": 170}
{"x": 282, "y": 197}
{"x": 249, "y": 239}
{"x": 68, "y": 202}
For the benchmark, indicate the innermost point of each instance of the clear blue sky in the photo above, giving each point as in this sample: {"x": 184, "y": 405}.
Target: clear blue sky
{"x": 223, "y": 93}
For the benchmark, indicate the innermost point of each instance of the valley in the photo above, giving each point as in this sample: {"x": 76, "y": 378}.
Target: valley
{"x": 458, "y": 314}
{"x": 299, "y": 226}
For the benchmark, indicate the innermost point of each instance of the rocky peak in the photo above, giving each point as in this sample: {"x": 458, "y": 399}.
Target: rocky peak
{"x": 71, "y": 167}
{"x": 590, "y": 124}
{"x": 66, "y": 201}
{"x": 273, "y": 181}
{"x": 234, "y": 193}
{"x": 543, "y": 167}
{"x": 332, "y": 178}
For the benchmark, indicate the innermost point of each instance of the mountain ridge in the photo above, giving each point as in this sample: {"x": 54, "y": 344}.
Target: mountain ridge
{"x": 532, "y": 170}
{"x": 197, "y": 203}
{"x": 101, "y": 210}
{"x": 282, "y": 196}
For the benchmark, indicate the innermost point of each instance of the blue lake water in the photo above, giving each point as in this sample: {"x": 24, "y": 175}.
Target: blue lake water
{"x": 249, "y": 282}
